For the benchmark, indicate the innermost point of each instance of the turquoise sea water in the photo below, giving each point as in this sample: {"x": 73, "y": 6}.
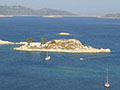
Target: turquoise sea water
{"x": 29, "y": 71}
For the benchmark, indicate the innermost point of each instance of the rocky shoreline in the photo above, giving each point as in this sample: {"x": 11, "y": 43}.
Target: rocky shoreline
{"x": 64, "y": 33}
{"x": 92, "y": 50}
{"x": 63, "y": 45}
{"x": 6, "y": 15}
{"x": 8, "y": 42}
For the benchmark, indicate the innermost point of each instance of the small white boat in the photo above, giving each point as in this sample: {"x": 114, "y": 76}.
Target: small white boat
{"x": 81, "y": 59}
{"x": 107, "y": 84}
{"x": 47, "y": 57}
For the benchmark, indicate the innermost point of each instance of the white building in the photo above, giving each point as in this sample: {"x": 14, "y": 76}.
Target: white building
{"x": 33, "y": 44}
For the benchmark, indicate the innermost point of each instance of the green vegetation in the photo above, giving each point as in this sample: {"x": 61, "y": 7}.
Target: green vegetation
{"x": 86, "y": 45}
{"x": 43, "y": 40}
{"x": 29, "y": 40}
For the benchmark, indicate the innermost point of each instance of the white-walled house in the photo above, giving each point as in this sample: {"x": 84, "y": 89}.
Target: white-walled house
{"x": 33, "y": 44}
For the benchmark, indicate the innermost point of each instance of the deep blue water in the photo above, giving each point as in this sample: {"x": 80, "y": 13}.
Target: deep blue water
{"x": 29, "y": 71}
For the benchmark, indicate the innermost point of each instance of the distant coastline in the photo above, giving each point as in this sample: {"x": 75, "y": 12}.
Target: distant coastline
{"x": 111, "y": 16}
{"x": 17, "y": 10}
{"x": 6, "y": 15}
{"x": 52, "y": 16}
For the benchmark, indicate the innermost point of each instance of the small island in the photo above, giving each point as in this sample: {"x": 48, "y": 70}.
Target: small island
{"x": 61, "y": 45}
{"x": 64, "y": 33}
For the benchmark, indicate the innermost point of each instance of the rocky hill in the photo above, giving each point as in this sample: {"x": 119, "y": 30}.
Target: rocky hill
{"x": 64, "y": 44}
{"x": 117, "y": 15}
{"x": 21, "y": 11}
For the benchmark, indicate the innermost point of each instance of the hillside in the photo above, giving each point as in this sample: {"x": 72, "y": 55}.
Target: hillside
{"x": 117, "y": 15}
{"x": 21, "y": 11}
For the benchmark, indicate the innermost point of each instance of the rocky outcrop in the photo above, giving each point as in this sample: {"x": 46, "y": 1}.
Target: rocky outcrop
{"x": 21, "y": 43}
{"x": 63, "y": 45}
{"x": 8, "y": 42}
{"x": 63, "y": 33}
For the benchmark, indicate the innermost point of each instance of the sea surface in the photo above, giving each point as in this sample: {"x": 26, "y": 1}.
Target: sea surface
{"x": 21, "y": 70}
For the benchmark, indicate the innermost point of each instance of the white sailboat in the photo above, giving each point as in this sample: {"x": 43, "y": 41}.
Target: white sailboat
{"x": 47, "y": 57}
{"x": 107, "y": 84}
{"x": 81, "y": 59}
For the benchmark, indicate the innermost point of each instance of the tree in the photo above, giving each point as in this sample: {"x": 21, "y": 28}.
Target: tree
{"x": 43, "y": 40}
{"x": 29, "y": 40}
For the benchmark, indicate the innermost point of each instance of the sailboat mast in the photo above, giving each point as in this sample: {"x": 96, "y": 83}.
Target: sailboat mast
{"x": 107, "y": 85}
{"x": 107, "y": 76}
{"x": 47, "y": 53}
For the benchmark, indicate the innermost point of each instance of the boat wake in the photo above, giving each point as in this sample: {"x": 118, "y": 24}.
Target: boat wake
{"x": 93, "y": 57}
